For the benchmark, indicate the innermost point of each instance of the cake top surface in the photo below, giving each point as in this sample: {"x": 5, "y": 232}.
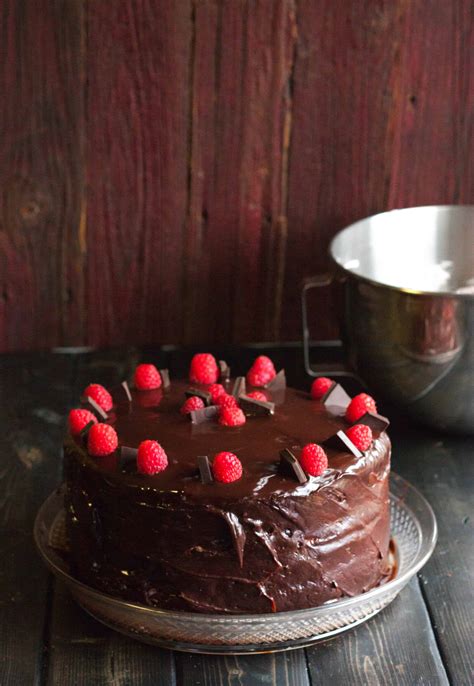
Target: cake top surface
{"x": 155, "y": 414}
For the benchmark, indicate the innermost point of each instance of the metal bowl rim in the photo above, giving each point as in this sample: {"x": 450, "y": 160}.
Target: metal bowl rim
{"x": 380, "y": 284}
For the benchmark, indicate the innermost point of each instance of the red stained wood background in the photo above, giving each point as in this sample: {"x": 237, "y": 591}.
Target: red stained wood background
{"x": 169, "y": 171}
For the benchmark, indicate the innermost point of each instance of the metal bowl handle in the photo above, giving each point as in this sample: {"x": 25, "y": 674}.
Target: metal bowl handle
{"x": 319, "y": 281}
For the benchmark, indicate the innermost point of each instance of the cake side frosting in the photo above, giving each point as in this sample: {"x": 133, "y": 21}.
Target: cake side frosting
{"x": 263, "y": 543}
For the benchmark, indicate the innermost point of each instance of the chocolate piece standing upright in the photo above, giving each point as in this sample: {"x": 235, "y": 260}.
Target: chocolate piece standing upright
{"x": 165, "y": 378}
{"x": 224, "y": 370}
{"x": 251, "y": 406}
{"x": 205, "y": 414}
{"x": 376, "y": 422}
{"x": 204, "y": 395}
{"x": 97, "y": 407}
{"x": 239, "y": 387}
{"x": 336, "y": 400}
{"x": 290, "y": 464}
{"x": 340, "y": 441}
{"x": 278, "y": 383}
{"x": 126, "y": 388}
{"x": 204, "y": 469}
{"x": 127, "y": 453}
{"x": 83, "y": 432}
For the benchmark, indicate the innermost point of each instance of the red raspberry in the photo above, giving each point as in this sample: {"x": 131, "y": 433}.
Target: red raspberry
{"x": 226, "y": 400}
{"x": 313, "y": 459}
{"x": 360, "y": 435}
{"x": 147, "y": 377}
{"x": 226, "y": 467}
{"x": 261, "y": 372}
{"x": 192, "y": 403}
{"x": 358, "y": 406}
{"x": 151, "y": 458}
{"x": 78, "y": 419}
{"x": 100, "y": 395}
{"x": 101, "y": 440}
{"x": 320, "y": 386}
{"x": 257, "y": 395}
{"x": 231, "y": 416}
{"x": 216, "y": 390}
{"x": 203, "y": 369}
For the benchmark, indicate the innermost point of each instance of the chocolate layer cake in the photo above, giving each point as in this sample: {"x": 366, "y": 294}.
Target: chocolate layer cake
{"x": 263, "y": 543}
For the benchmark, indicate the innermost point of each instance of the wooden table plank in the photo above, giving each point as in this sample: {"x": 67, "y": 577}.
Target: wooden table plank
{"x": 34, "y": 397}
{"x": 395, "y": 648}
{"x": 442, "y": 467}
{"x": 83, "y": 652}
{"x": 278, "y": 669}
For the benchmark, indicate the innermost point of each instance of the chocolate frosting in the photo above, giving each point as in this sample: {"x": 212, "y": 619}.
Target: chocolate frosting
{"x": 263, "y": 543}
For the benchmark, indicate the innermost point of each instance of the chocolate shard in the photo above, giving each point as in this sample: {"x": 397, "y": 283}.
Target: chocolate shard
{"x": 204, "y": 469}
{"x": 127, "y": 453}
{"x": 239, "y": 387}
{"x": 204, "y": 395}
{"x": 250, "y": 406}
{"x": 205, "y": 414}
{"x": 83, "y": 432}
{"x": 376, "y": 422}
{"x": 165, "y": 378}
{"x": 126, "y": 388}
{"x": 278, "y": 383}
{"x": 102, "y": 413}
{"x": 340, "y": 441}
{"x": 290, "y": 465}
{"x": 224, "y": 370}
{"x": 336, "y": 400}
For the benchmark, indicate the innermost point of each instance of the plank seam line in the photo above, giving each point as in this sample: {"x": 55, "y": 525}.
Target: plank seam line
{"x": 42, "y": 671}
{"x": 308, "y": 671}
{"x": 435, "y": 632}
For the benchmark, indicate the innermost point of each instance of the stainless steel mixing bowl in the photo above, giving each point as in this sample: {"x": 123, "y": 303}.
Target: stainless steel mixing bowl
{"x": 407, "y": 279}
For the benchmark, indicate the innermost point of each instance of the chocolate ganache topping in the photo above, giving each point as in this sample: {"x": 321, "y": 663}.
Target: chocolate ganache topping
{"x": 264, "y": 543}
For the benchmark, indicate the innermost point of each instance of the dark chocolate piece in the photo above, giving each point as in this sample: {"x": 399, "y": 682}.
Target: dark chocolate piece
{"x": 204, "y": 469}
{"x": 290, "y": 464}
{"x": 83, "y": 432}
{"x": 224, "y": 370}
{"x": 278, "y": 383}
{"x": 205, "y": 414}
{"x": 336, "y": 400}
{"x": 376, "y": 422}
{"x": 127, "y": 453}
{"x": 204, "y": 395}
{"x": 239, "y": 387}
{"x": 127, "y": 391}
{"x": 251, "y": 406}
{"x": 102, "y": 413}
{"x": 341, "y": 442}
{"x": 165, "y": 378}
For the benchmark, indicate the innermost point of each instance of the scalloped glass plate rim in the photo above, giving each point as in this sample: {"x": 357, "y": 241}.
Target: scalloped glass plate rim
{"x": 426, "y": 549}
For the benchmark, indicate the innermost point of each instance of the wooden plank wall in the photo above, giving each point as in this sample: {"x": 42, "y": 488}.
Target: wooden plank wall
{"x": 169, "y": 171}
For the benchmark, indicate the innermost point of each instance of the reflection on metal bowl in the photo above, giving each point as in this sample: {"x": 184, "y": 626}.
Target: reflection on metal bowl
{"x": 408, "y": 321}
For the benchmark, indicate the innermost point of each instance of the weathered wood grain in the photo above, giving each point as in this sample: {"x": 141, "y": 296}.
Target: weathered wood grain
{"x": 34, "y": 398}
{"x": 433, "y": 124}
{"x": 396, "y": 648}
{"x": 41, "y": 183}
{"x": 443, "y": 470}
{"x": 138, "y": 56}
{"x": 279, "y": 669}
{"x": 241, "y": 68}
{"x": 347, "y": 60}
{"x": 83, "y": 651}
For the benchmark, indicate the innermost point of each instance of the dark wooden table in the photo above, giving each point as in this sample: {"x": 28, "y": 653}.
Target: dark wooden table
{"x": 423, "y": 637}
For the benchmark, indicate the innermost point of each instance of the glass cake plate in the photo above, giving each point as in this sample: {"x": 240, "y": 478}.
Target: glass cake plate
{"x": 414, "y": 533}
